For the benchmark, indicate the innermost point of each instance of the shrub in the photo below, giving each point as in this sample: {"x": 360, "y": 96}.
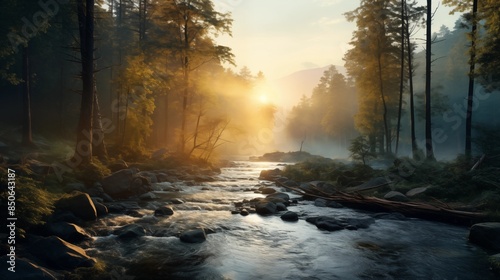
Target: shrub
{"x": 32, "y": 203}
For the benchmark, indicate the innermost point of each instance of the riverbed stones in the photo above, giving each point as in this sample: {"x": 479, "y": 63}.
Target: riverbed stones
{"x": 270, "y": 174}
{"x": 265, "y": 208}
{"x": 486, "y": 235}
{"x": 118, "y": 183}
{"x": 396, "y": 196}
{"x": 281, "y": 195}
{"x": 334, "y": 224}
{"x": 290, "y": 216}
{"x": 59, "y": 254}
{"x": 267, "y": 190}
{"x": 130, "y": 231}
{"x": 321, "y": 202}
{"x": 68, "y": 232}
{"x": 80, "y": 204}
{"x": 193, "y": 236}
{"x": 164, "y": 211}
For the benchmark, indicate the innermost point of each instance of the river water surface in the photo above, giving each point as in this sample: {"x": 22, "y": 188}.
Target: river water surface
{"x": 258, "y": 247}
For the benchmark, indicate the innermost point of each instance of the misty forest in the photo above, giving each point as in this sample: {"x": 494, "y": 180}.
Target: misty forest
{"x": 133, "y": 146}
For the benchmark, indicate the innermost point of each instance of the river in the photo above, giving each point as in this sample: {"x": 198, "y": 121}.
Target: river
{"x": 265, "y": 247}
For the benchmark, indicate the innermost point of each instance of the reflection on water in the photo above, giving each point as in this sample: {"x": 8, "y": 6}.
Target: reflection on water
{"x": 257, "y": 247}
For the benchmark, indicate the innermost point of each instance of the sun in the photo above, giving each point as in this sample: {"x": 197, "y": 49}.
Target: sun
{"x": 263, "y": 99}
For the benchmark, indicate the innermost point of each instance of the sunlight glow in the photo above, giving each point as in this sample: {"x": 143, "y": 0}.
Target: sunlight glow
{"x": 263, "y": 99}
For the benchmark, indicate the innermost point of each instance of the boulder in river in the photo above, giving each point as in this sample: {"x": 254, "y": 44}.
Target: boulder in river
{"x": 267, "y": 190}
{"x": 118, "y": 183}
{"x": 290, "y": 216}
{"x": 270, "y": 174}
{"x": 164, "y": 211}
{"x": 321, "y": 202}
{"x": 80, "y": 204}
{"x": 193, "y": 236}
{"x": 281, "y": 195}
{"x": 265, "y": 208}
{"x": 130, "y": 231}
{"x": 68, "y": 231}
{"x": 486, "y": 235}
{"x": 59, "y": 254}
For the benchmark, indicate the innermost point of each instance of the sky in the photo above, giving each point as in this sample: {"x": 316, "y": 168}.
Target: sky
{"x": 280, "y": 37}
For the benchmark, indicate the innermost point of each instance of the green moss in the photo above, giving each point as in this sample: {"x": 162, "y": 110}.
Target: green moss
{"x": 32, "y": 202}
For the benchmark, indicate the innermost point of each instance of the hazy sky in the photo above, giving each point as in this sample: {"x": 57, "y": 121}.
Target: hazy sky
{"x": 280, "y": 37}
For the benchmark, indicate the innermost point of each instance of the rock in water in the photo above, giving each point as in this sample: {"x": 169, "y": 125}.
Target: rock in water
{"x": 80, "y": 205}
{"x": 281, "y": 195}
{"x": 290, "y": 216}
{"x": 164, "y": 211}
{"x": 67, "y": 231}
{"x": 119, "y": 183}
{"x": 60, "y": 254}
{"x": 266, "y": 208}
{"x": 130, "y": 231}
{"x": 486, "y": 235}
{"x": 194, "y": 236}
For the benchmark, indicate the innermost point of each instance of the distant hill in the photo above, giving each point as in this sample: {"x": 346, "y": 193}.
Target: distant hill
{"x": 289, "y": 89}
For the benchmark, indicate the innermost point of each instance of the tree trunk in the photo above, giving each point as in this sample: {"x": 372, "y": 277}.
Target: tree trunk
{"x": 470, "y": 94}
{"x": 381, "y": 88}
{"x": 27, "y": 133}
{"x": 83, "y": 150}
{"x": 414, "y": 147}
{"x": 402, "y": 74}
{"x": 428, "y": 121}
{"x": 186, "y": 86}
{"x": 98, "y": 144}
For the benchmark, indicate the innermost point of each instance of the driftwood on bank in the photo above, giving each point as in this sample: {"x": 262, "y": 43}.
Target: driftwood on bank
{"x": 409, "y": 209}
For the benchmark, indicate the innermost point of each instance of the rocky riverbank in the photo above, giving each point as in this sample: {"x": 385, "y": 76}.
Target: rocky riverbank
{"x": 62, "y": 248}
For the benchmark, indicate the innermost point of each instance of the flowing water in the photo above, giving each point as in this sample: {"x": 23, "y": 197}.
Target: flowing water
{"x": 258, "y": 247}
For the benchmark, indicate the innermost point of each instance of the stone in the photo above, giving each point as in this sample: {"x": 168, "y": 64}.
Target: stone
{"x": 486, "y": 235}
{"x": 416, "y": 191}
{"x": 267, "y": 190}
{"x": 80, "y": 204}
{"x": 321, "y": 202}
{"x": 148, "y": 196}
{"x": 280, "y": 206}
{"x": 396, "y": 196}
{"x": 265, "y": 208}
{"x": 119, "y": 183}
{"x": 290, "y": 216}
{"x": 150, "y": 176}
{"x": 176, "y": 201}
{"x": 59, "y": 254}
{"x": 130, "y": 231}
{"x": 68, "y": 232}
{"x": 164, "y": 211}
{"x": 281, "y": 195}
{"x": 270, "y": 174}
{"x": 193, "y": 236}
{"x": 244, "y": 212}
{"x": 389, "y": 216}
{"x": 100, "y": 208}
{"x": 26, "y": 270}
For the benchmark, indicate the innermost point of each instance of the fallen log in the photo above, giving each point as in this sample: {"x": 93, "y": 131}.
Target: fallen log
{"x": 409, "y": 209}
